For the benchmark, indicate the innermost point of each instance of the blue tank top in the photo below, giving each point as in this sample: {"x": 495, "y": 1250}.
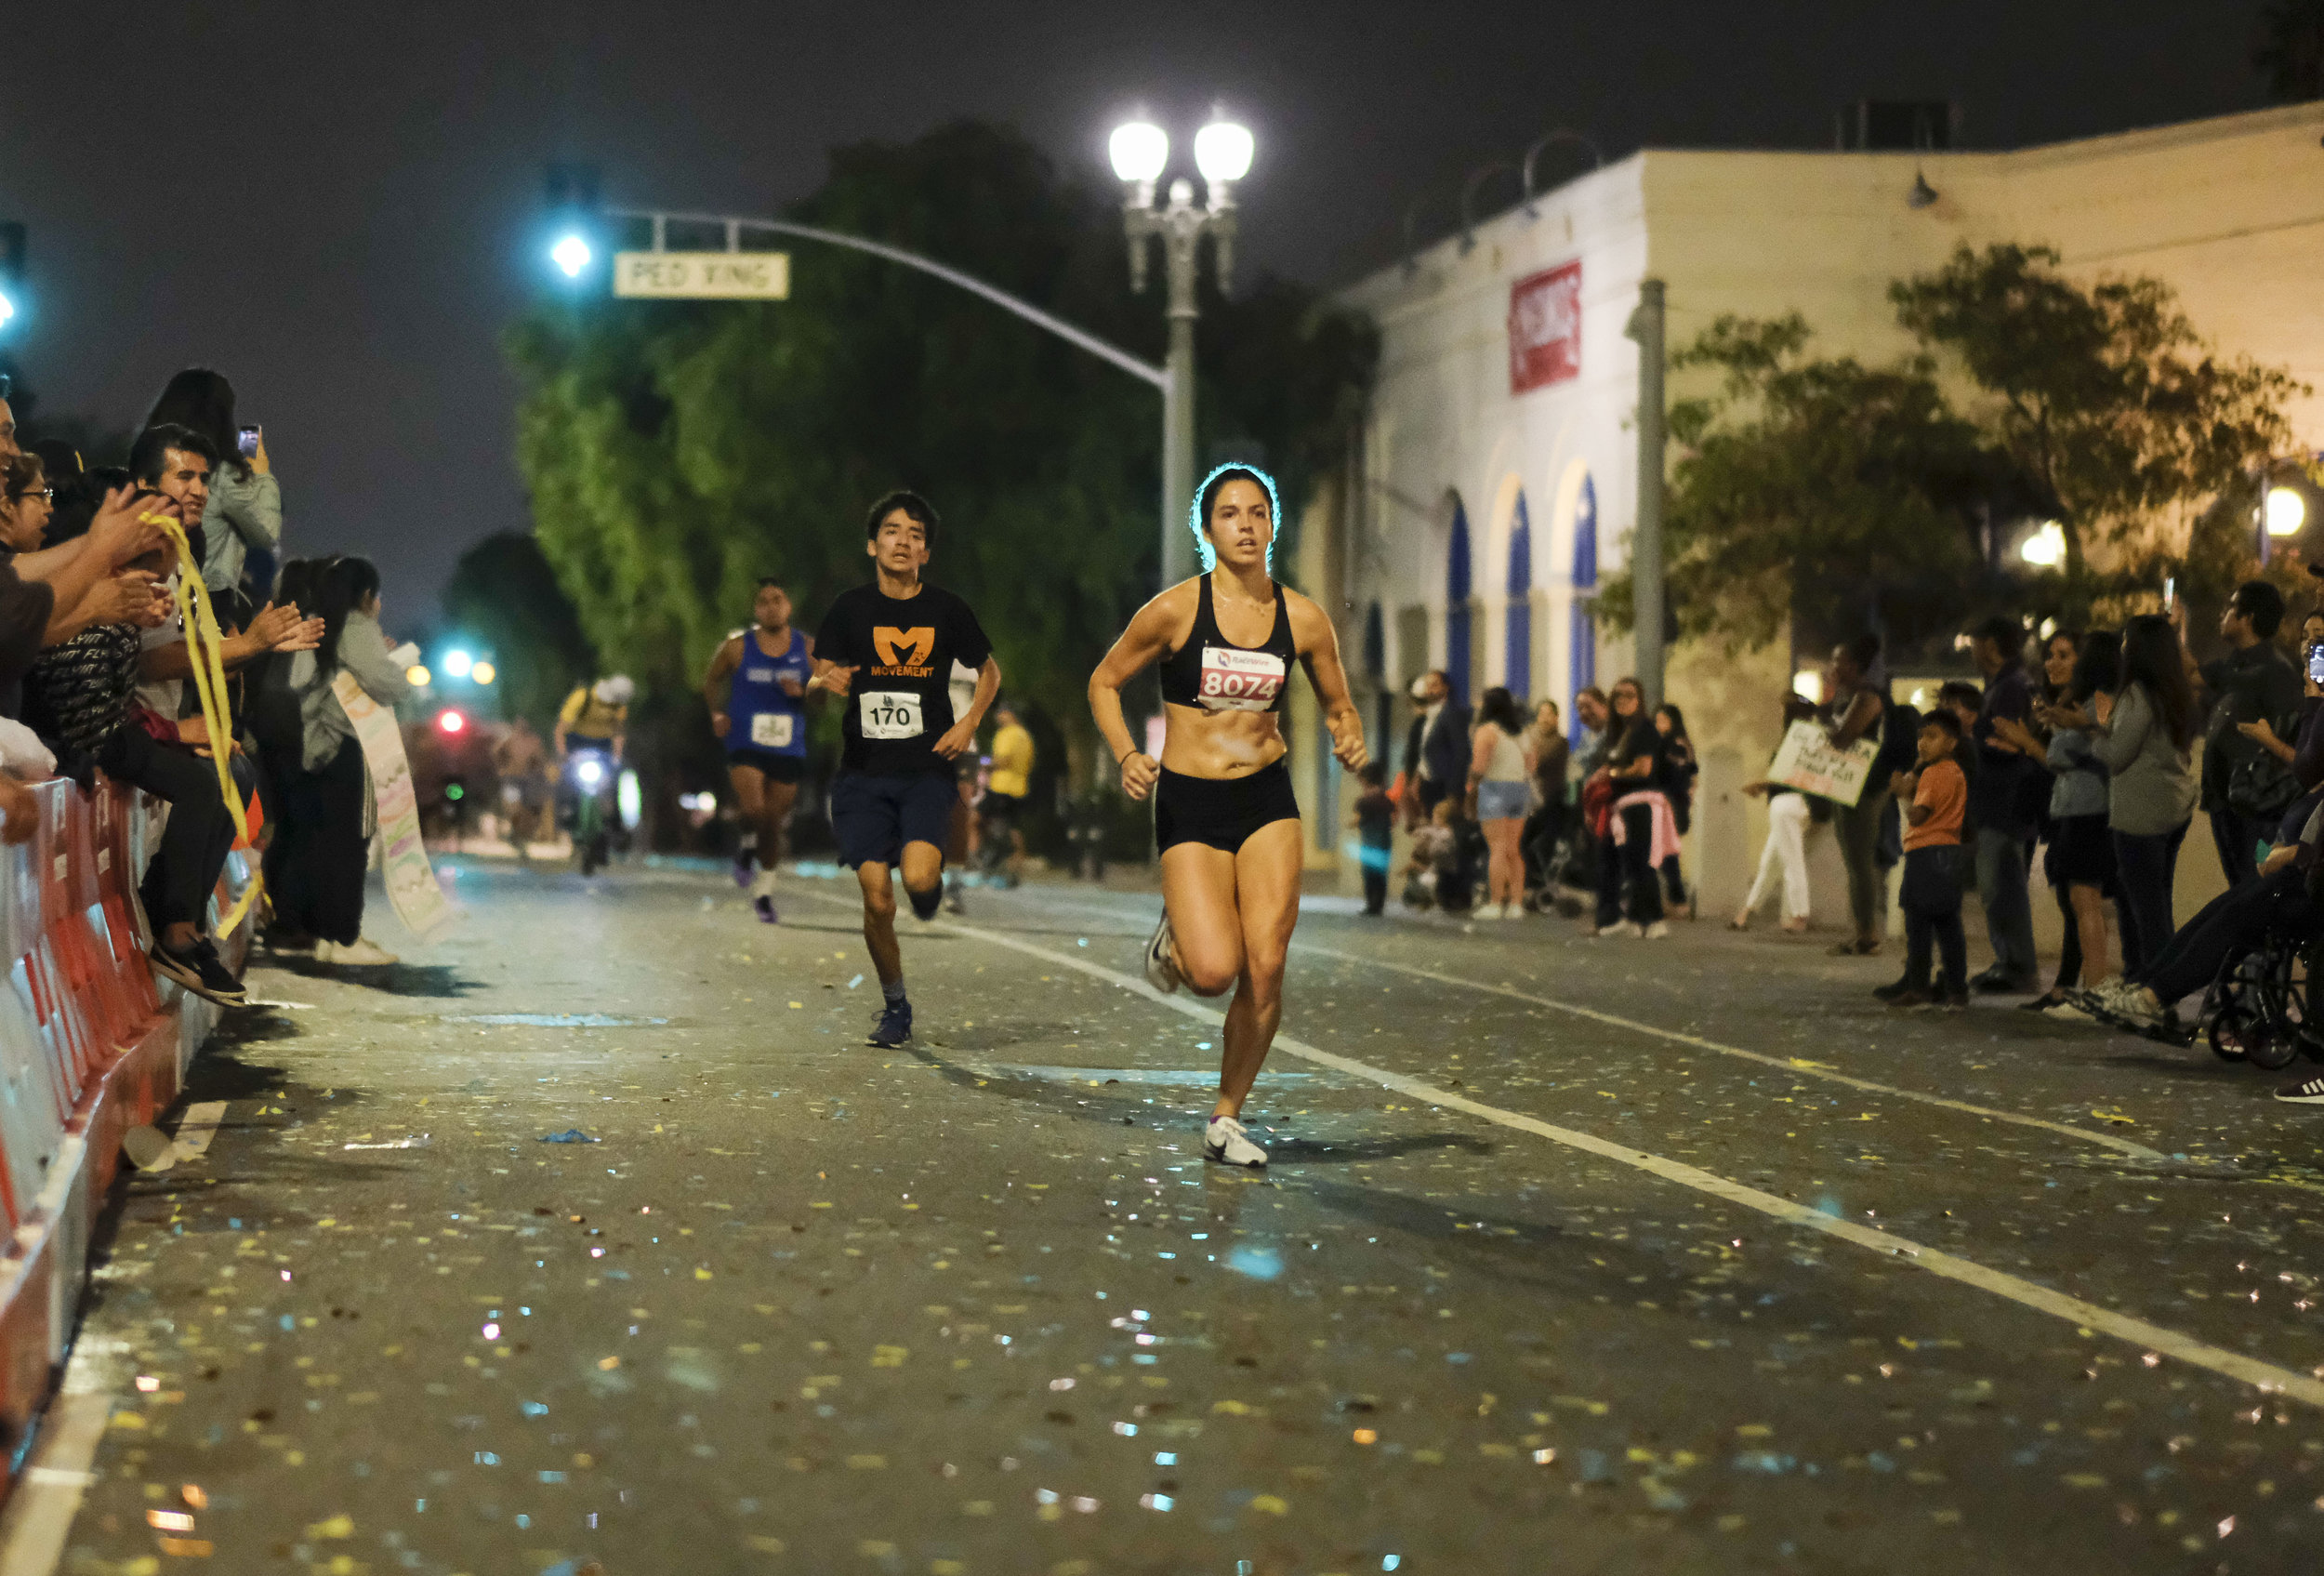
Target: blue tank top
{"x": 761, "y": 716}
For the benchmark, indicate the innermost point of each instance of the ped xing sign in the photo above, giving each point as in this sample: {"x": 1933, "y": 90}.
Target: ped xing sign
{"x": 703, "y": 276}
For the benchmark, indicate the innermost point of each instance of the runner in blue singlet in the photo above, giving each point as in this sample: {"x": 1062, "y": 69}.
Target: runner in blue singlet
{"x": 756, "y": 691}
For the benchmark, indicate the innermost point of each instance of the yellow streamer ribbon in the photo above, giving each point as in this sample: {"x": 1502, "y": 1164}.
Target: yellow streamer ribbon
{"x": 205, "y": 650}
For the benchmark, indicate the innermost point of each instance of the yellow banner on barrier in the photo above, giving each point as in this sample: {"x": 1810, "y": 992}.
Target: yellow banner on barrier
{"x": 412, "y": 886}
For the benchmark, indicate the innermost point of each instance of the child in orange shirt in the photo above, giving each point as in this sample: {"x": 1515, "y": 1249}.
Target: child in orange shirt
{"x": 1937, "y": 795}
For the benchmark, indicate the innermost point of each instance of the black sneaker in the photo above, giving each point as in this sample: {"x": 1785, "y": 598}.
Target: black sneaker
{"x": 2307, "y": 1092}
{"x": 895, "y": 1027}
{"x": 198, "y": 969}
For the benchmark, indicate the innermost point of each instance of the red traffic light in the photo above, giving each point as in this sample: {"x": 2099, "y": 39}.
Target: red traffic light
{"x": 450, "y": 721}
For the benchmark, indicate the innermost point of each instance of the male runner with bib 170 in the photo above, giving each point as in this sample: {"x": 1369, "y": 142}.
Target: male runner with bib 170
{"x": 1224, "y": 814}
{"x": 757, "y": 690}
{"x": 886, "y": 650}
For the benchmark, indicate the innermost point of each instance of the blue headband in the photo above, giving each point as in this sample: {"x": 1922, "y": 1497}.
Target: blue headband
{"x": 1275, "y": 514}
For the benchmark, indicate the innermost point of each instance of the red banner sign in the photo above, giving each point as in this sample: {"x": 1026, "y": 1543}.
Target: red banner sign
{"x": 1545, "y": 328}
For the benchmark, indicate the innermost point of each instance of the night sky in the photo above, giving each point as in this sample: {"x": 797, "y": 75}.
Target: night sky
{"x": 336, "y": 204}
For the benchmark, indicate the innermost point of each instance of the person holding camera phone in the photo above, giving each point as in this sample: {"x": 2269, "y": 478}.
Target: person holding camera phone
{"x": 245, "y": 511}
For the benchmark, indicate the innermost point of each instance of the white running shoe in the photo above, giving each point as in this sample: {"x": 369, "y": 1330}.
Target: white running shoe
{"x": 1225, "y": 1142}
{"x": 1658, "y": 930}
{"x": 1620, "y": 927}
{"x": 359, "y": 953}
{"x": 1162, "y": 971}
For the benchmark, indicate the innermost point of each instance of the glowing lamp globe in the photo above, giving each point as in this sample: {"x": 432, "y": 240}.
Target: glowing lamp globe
{"x": 2286, "y": 511}
{"x": 571, "y": 254}
{"x": 1223, "y": 150}
{"x": 458, "y": 663}
{"x": 1139, "y": 150}
{"x": 2046, "y": 548}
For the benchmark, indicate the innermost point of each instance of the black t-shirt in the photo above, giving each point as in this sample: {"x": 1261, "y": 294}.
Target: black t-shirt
{"x": 1638, "y": 737}
{"x": 900, "y": 703}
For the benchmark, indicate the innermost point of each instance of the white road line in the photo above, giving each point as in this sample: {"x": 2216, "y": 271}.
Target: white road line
{"x": 1799, "y": 1066}
{"x": 1790, "y": 1065}
{"x": 2265, "y": 1377}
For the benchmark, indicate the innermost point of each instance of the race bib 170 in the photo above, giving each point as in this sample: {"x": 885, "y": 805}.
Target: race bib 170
{"x": 889, "y": 714}
{"x": 1234, "y": 679}
{"x": 772, "y": 729}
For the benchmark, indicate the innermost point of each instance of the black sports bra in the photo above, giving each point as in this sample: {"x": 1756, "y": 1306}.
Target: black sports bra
{"x": 1213, "y": 673}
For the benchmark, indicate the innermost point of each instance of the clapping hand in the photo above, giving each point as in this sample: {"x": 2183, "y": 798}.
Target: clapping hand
{"x": 121, "y": 530}
{"x": 279, "y": 628}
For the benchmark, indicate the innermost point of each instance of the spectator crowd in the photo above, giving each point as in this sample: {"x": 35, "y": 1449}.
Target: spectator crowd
{"x": 95, "y": 662}
{"x": 2093, "y": 758}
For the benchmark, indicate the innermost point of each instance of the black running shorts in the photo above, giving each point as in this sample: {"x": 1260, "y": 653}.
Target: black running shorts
{"x": 1221, "y": 812}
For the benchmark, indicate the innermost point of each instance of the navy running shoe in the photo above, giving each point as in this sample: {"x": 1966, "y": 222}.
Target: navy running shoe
{"x": 895, "y": 1027}
{"x": 763, "y": 906}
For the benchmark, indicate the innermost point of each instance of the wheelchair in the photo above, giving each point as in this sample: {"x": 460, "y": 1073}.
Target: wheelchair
{"x": 2266, "y": 1007}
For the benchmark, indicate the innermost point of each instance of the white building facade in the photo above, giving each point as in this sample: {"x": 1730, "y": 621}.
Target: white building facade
{"x": 1496, "y": 477}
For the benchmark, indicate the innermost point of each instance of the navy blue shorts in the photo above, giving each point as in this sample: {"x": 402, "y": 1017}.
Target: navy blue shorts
{"x": 773, "y": 766}
{"x": 875, "y": 816}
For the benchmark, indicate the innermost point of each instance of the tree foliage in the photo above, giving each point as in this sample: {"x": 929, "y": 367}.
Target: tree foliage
{"x": 675, "y": 451}
{"x": 1831, "y": 495}
{"x": 504, "y": 600}
{"x": 2102, "y": 395}
{"x": 1808, "y": 488}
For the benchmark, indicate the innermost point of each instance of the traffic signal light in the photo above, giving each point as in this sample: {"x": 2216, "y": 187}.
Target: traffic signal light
{"x": 573, "y": 243}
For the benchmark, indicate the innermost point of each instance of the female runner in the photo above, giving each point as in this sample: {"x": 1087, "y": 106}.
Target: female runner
{"x": 1224, "y": 815}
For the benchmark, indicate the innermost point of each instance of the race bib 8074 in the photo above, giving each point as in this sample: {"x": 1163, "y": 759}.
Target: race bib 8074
{"x": 772, "y": 729}
{"x": 889, "y": 714}
{"x": 1234, "y": 679}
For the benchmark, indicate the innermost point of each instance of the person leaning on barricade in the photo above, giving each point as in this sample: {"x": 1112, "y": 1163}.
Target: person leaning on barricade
{"x": 79, "y": 697}
{"x": 51, "y": 592}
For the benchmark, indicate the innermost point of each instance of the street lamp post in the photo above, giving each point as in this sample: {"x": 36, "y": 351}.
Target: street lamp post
{"x": 1140, "y": 152}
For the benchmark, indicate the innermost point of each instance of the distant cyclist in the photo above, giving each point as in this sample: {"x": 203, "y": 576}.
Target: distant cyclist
{"x": 1001, "y": 810}
{"x": 757, "y": 690}
{"x": 591, "y": 729}
{"x": 886, "y": 650}
{"x": 596, "y": 717}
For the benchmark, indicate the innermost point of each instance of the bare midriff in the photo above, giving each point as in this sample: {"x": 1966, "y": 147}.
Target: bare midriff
{"x": 1220, "y": 744}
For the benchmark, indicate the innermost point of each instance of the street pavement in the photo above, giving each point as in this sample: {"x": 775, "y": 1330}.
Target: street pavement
{"x": 595, "y": 1238}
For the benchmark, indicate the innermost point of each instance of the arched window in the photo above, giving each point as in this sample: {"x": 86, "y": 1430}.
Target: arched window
{"x": 1583, "y": 667}
{"x": 1456, "y": 615}
{"x": 1517, "y": 629}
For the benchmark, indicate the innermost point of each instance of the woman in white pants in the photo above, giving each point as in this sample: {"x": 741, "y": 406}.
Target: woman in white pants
{"x": 1782, "y": 859}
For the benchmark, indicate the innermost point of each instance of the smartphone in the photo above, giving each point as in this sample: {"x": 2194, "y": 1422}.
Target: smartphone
{"x": 2170, "y": 592}
{"x": 247, "y": 443}
{"x": 2316, "y": 664}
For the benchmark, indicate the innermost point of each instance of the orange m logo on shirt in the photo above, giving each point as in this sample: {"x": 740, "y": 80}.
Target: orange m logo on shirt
{"x": 905, "y": 648}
